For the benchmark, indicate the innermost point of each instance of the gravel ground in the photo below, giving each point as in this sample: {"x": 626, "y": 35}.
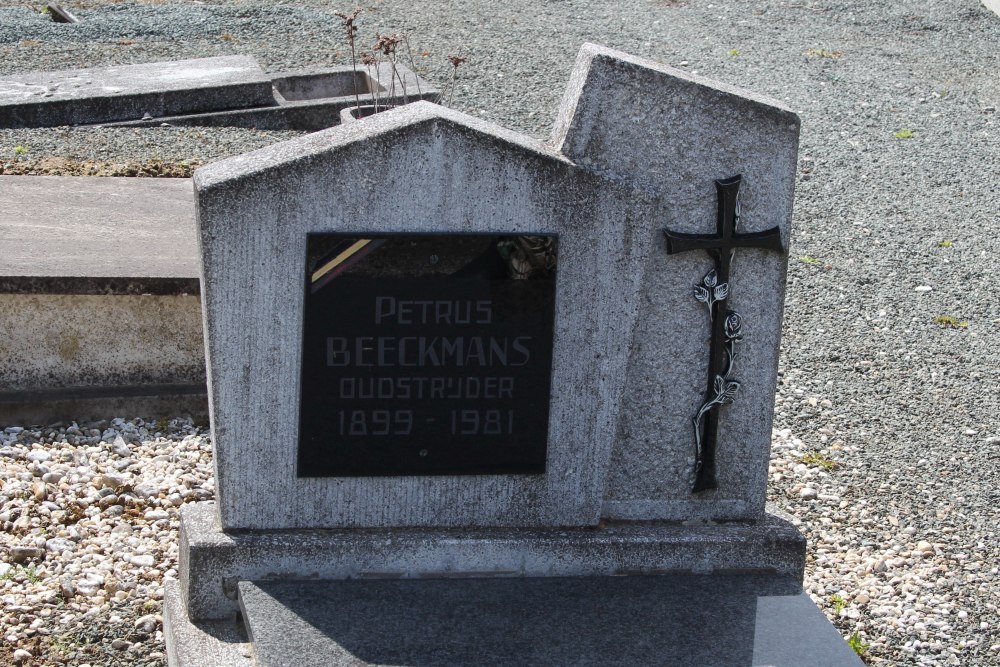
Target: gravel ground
{"x": 89, "y": 518}
{"x": 887, "y": 436}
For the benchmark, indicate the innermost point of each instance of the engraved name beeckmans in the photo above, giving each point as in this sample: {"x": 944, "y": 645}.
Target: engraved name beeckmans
{"x": 471, "y": 353}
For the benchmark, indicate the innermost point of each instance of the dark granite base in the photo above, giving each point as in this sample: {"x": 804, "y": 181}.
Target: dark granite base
{"x": 573, "y": 621}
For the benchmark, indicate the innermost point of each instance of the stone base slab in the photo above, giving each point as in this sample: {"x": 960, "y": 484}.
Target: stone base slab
{"x": 213, "y": 562}
{"x": 556, "y": 622}
{"x": 79, "y": 235}
{"x": 705, "y": 620}
{"x": 221, "y": 643}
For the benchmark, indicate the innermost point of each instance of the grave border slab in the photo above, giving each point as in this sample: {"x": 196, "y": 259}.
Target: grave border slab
{"x": 124, "y": 92}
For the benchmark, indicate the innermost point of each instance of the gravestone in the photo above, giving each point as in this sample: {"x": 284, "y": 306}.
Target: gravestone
{"x": 498, "y": 370}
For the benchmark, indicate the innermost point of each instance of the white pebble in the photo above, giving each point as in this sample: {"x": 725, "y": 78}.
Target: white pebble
{"x": 59, "y": 545}
{"x": 120, "y": 448}
{"x": 146, "y": 624}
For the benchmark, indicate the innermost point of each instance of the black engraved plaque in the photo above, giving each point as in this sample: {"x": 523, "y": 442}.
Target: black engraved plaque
{"x": 426, "y": 354}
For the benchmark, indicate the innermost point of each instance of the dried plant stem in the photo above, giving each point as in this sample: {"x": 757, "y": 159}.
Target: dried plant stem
{"x": 413, "y": 65}
{"x": 386, "y": 44}
{"x": 392, "y": 80}
{"x": 402, "y": 83}
{"x": 368, "y": 68}
{"x": 350, "y": 29}
{"x": 455, "y": 62}
{"x": 354, "y": 79}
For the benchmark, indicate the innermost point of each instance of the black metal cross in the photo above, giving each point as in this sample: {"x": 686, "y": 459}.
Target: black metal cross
{"x": 726, "y": 325}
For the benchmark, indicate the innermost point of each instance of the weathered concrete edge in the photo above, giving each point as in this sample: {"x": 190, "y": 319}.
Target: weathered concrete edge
{"x": 49, "y": 406}
{"x": 251, "y": 87}
{"x": 109, "y": 285}
{"x": 310, "y": 116}
{"x": 217, "y": 643}
{"x": 410, "y": 84}
{"x": 212, "y": 562}
{"x": 81, "y": 111}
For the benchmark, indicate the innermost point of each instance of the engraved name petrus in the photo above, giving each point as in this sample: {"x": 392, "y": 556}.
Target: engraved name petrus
{"x": 426, "y": 355}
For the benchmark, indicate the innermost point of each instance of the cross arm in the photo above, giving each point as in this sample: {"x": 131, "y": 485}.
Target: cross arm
{"x": 768, "y": 239}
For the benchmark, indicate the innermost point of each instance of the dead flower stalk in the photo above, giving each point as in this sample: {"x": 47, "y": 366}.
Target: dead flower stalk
{"x": 350, "y": 30}
{"x": 386, "y": 44}
{"x": 455, "y": 62}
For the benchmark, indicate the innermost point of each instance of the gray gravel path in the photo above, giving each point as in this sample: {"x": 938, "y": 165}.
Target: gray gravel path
{"x": 899, "y": 180}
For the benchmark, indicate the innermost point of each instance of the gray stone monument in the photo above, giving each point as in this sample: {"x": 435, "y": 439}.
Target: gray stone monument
{"x": 456, "y": 373}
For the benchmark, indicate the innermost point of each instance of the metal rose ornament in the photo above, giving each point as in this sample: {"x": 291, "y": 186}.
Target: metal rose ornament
{"x": 734, "y": 326}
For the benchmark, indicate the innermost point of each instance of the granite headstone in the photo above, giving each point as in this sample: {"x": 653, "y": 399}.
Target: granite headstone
{"x": 354, "y": 276}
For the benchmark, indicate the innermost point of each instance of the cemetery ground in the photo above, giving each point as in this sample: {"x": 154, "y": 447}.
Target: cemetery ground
{"x": 886, "y": 437}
